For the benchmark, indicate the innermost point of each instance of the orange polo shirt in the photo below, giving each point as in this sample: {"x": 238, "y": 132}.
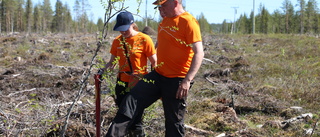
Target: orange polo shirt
{"x": 175, "y": 38}
{"x": 140, "y": 47}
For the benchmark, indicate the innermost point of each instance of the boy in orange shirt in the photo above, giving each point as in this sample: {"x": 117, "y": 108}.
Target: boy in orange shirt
{"x": 131, "y": 51}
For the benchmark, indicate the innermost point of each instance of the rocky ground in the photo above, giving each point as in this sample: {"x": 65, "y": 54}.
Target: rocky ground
{"x": 42, "y": 76}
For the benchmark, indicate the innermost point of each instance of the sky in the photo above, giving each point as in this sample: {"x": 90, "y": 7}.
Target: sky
{"x": 215, "y": 11}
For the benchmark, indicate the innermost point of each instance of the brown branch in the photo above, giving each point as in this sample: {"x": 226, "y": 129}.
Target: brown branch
{"x": 314, "y": 127}
{"x": 108, "y": 16}
{"x": 17, "y": 92}
{"x": 66, "y": 103}
{"x": 214, "y": 83}
{"x": 198, "y": 130}
{"x": 88, "y": 132}
{"x": 3, "y": 114}
{"x": 211, "y": 61}
{"x": 83, "y": 85}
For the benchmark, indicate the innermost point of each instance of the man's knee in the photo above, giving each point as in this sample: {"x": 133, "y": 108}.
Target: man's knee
{"x": 128, "y": 106}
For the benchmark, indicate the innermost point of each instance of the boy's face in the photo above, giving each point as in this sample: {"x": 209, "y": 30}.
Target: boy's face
{"x": 126, "y": 33}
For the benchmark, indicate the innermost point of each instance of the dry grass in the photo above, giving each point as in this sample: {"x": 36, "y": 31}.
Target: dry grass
{"x": 264, "y": 74}
{"x": 286, "y": 67}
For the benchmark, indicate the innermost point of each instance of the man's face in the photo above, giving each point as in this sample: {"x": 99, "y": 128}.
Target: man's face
{"x": 166, "y": 9}
{"x": 161, "y": 13}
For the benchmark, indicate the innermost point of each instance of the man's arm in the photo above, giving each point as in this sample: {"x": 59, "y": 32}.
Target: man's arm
{"x": 195, "y": 65}
{"x": 110, "y": 65}
{"x": 153, "y": 60}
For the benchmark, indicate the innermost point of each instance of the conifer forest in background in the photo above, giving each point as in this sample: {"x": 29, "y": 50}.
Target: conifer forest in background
{"x": 25, "y": 16}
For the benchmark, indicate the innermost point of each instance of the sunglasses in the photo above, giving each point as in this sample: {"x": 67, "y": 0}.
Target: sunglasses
{"x": 158, "y": 6}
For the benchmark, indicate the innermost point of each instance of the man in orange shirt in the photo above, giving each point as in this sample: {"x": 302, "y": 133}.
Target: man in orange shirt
{"x": 179, "y": 57}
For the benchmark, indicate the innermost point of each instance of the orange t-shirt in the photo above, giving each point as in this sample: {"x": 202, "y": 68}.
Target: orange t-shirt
{"x": 139, "y": 48}
{"x": 175, "y": 38}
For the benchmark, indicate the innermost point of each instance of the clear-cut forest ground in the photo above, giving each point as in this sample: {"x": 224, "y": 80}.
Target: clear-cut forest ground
{"x": 248, "y": 85}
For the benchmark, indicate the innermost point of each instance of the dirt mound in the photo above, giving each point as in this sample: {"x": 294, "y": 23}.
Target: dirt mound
{"x": 149, "y": 31}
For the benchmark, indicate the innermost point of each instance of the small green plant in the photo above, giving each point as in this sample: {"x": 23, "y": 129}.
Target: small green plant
{"x": 22, "y": 50}
{"x": 18, "y": 110}
{"x": 152, "y": 111}
{"x": 283, "y": 52}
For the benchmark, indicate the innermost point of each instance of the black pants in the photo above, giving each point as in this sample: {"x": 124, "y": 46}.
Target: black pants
{"x": 142, "y": 96}
{"x": 121, "y": 91}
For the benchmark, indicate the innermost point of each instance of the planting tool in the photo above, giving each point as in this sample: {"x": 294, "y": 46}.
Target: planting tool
{"x": 97, "y": 82}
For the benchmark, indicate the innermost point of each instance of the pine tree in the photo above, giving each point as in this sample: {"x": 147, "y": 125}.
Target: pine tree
{"x": 244, "y": 24}
{"x": 7, "y": 14}
{"x": 67, "y": 19}
{"x": 80, "y": 9}
{"x": 289, "y": 11}
{"x": 76, "y": 10}
{"x": 277, "y": 22}
{"x": 47, "y": 15}
{"x": 19, "y": 16}
{"x": 302, "y": 6}
{"x": 225, "y": 27}
{"x": 57, "y": 18}
{"x": 1, "y": 15}
{"x": 312, "y": 17}
{"x": 204, "y": 24}
{"x": 100, "y": 24}
{"x": 264, "y": 19}
{"x": 251, "y": 20}
{"x": 29, "y": 15}
{"x": 37, "y": 18}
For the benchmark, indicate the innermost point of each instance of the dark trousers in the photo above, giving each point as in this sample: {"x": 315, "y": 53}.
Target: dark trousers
{"x": 121, "y": 91}
{"x": 142, "y": 96}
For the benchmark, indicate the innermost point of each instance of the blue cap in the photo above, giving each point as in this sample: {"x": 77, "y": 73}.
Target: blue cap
{"x": 124, "y": 20}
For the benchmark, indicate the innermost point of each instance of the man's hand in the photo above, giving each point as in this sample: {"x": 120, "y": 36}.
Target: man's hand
{"x": 100, "y": 71}
{"x": 183, "y": 89}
